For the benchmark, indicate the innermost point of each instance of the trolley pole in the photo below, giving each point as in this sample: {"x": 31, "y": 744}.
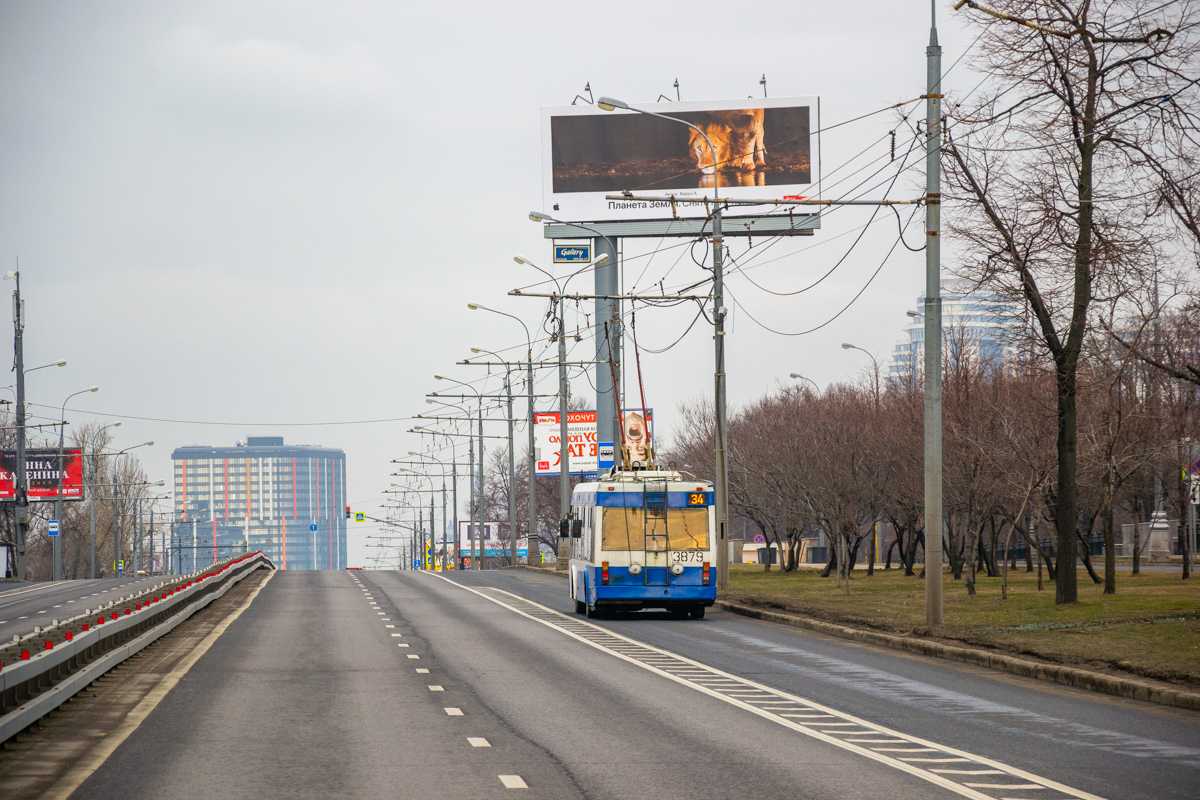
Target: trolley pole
{"x": 933, "y": 328}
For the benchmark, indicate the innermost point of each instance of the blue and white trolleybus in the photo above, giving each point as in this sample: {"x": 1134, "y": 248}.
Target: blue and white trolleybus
{"x": 643, "y": 539}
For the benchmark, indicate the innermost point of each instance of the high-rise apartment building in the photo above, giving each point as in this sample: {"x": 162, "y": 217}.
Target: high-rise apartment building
{"x": 976, "y": 324}
{"x": 286, "y": 500}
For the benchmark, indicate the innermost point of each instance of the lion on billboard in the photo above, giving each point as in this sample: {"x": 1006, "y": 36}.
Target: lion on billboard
{"x": 737, "y": 137}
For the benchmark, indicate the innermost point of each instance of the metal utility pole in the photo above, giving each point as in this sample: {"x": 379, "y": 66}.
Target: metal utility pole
{"x": 445, "y": 535}
{"x": 117, "y": 527}
{"x": 512, "y": 477}
{"x": 92, "y": 487}
{"x": 22, "y": 504}
{"x": 721, "y": 495}
{"x": 933, "y": 327}
{"x": 564, "y": 449}
{"x": 475, "y": 562}
{"x": 137, "y": 536}
{"x": 471, "y": 499}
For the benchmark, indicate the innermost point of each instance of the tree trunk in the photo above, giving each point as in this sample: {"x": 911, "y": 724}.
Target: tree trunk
{"x": 1110, "y": 560}
{"x": 1066, "y": 589}
{"x": 910, "y": 561}
{"x": 832, "y": 562}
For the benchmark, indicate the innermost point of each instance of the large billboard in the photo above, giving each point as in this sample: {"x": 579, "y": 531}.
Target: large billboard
{"x": 583, "y": 441}
{"x": 41, "y": 471}
{"x": 765, "y": 148}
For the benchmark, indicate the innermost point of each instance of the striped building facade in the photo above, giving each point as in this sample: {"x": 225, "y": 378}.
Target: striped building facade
{"x": 287, "y": 501}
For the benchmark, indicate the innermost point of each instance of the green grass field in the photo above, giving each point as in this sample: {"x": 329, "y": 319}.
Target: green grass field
{"x": 1150, "y": 627}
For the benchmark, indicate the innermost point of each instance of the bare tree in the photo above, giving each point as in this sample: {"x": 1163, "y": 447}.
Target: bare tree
{"x": 1046, "y": 166}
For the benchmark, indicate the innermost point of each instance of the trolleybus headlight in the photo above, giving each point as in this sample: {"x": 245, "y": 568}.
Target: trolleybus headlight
{"x": 635, "y": 569}
{"x": 677, "y": 569}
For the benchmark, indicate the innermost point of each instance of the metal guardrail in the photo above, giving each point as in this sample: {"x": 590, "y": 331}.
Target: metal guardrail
{"x": 42, "y": 670}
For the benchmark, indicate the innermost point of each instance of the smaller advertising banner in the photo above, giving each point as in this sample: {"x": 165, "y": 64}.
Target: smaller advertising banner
{"x": 41, "y": 472}
{"x": 572, "y": 253}
{"x": 587, "y": 452}
{"x": 493, "y": 542}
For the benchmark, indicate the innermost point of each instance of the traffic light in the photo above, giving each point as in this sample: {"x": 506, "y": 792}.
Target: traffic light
{"x": 347, "y": 512}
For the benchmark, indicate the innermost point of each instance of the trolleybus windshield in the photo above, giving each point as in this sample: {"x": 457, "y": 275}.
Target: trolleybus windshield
{"x": 629, "y": 529}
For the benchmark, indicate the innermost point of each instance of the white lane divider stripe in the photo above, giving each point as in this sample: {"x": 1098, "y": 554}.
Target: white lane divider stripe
{"x": 636, "y": 653}
{"x": 478, "y": 741}
{"x": 454, "y": 712}
{"x": 513, "y": 782}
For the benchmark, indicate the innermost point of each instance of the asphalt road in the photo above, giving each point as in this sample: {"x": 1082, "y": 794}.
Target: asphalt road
{"x": 26, "y": 604}
{"x": 320, "y": 689}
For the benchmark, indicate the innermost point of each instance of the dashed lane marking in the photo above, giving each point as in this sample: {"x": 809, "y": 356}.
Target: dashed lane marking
{"x": 422, "y": 671}
{"x": 454, "y": 712}
{"x": 391, "y": 626}
{"x": 436, "y": 688}
{"x": 413, "y": 655}
{"x": 817, "y": 721}
{"x": 478, "y": 741}
{"x": 513, "y": 782}
{"x": 401, "y": 644}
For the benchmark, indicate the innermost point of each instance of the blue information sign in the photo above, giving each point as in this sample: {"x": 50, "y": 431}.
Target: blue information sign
{"x": 52, "y": 527}
{"x": 312, "y": 527}
{"x": 572, "y": 253}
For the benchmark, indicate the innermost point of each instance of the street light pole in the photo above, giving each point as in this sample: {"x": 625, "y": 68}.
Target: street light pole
{"x": 721, "y": 478}
{"x": 564, "y": 448}
{"x": 58, "y": 500}
{"x": 532, "y": 546}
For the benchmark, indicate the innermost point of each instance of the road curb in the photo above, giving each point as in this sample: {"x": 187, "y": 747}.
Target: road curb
{"x": 1056, "y": 673}
{"x": 562, "y": 573}
{"x": 1068, "y": 676}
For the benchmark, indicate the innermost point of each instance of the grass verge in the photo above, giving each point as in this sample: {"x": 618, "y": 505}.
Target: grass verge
{"x": 1150, "y": 627}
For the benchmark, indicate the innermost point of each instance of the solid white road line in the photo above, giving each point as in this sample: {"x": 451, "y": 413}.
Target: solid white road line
{"x": 624, "y": 648}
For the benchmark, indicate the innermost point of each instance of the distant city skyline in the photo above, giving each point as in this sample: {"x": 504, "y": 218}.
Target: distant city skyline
{"x": 985, "y": 325}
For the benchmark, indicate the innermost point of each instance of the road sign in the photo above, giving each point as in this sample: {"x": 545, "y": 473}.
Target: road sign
{"x": 572, "y": 253}
{"x": 52, "y": 527}
{"x": 313, "y": 527}
{"x": 121, "y": 565}
{"x": 759, "y": 539}
{"x": 360, "y": 516}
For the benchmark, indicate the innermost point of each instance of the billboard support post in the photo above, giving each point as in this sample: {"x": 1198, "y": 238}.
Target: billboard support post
{"x": 608, "y": 314}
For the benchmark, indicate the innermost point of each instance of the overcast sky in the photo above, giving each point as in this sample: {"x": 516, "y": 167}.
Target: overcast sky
{"x": 275, "y": 213}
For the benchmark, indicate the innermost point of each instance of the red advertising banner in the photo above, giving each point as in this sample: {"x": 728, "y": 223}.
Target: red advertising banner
{"x": 41, "y": 472}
